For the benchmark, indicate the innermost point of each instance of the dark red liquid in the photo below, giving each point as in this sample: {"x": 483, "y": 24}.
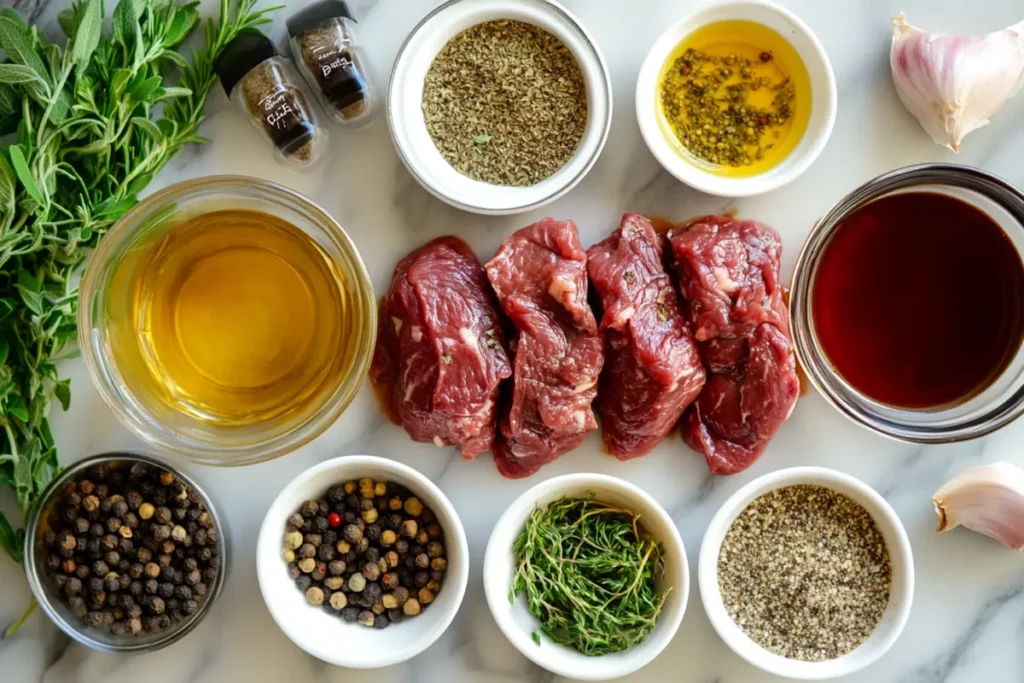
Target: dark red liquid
{"x": 918, "y": 301}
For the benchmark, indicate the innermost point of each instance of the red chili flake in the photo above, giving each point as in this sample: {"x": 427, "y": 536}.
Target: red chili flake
{"x": 334, "y": 519}
{"x": 766, "y": 56}
{"x": 763, "y": 120}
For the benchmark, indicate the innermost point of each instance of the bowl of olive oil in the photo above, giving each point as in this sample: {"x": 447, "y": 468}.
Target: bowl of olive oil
{"x": 227, "y": 319}
{"x": 736, "y": 99}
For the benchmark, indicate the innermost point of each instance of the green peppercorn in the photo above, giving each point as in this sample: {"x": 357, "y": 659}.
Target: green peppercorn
{"x": 338, "y": 601}
{"x": 357, "y": 582}
{"x": 315, "y": 596}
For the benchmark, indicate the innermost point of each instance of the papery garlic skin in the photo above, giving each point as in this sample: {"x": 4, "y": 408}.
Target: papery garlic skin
{"x": 988, "y": 499}
{"x": 953, "y": 84}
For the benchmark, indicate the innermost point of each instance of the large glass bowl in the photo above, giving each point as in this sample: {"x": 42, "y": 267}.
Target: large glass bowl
{"x": 1000, "y": 402}
{"x": 120, "y": 375}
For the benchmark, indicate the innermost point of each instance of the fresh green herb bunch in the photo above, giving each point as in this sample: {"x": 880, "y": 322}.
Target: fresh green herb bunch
{"x": 588, "y": 570}
{"x": 92, "y": 123}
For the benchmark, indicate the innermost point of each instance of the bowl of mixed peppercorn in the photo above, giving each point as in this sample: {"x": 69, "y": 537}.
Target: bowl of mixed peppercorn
{"x": 125, "y": 554}
{"x": 357, "y": 546}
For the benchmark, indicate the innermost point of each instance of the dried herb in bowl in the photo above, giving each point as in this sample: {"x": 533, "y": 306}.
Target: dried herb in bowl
{"x": 588, "y": 571}
{"x": 505, "y": 103}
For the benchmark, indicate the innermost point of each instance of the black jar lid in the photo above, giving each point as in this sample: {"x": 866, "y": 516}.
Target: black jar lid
{"x": 316, "y": 14}
{"x": 242, "y": 55}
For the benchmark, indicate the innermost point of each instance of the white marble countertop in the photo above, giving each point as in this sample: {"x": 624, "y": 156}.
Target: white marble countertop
{"x": 967, "y": 623}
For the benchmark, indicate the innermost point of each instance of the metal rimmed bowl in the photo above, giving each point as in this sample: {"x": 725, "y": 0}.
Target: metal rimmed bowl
{"x": 996, "y": 405}
{"x": 117, "y": 360}
{"x": 409, "y": 129}
{"x": 46, "y": 594}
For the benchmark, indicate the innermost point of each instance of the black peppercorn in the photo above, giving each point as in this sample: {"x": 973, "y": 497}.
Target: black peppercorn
{"x": 156, "y": 605}
{"x": 303, "y": 582}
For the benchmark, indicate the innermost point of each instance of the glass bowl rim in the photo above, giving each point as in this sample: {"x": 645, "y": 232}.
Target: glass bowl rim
{"x": 105, "y": 376}
{"x": 852, "y": 403}
{"x": 36, "y": 574}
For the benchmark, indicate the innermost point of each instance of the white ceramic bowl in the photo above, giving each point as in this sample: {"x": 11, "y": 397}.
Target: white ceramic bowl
{"x": 326, "y": 636}
{"x": 900, "y": 557}
{"x": 516, "y": 622}
{"x": 823, "y": 95}
{"x": 409, "y": 130}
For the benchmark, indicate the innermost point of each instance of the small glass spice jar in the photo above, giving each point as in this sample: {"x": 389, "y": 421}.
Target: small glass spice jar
{"x": 323, "y": 44}
{"x": 269, "y": 91}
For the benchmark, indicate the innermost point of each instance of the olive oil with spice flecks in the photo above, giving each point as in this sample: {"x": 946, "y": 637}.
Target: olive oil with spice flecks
{"x": 734, "y": 97}
{"x": 238, "y": 317}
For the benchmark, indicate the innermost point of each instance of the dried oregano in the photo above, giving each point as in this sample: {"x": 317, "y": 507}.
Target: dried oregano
{"x": 505, "y": 102}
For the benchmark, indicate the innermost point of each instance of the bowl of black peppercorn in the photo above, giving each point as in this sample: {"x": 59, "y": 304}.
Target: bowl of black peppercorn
{"x": 362, "y": 561}
{"x": 125, "y": 553}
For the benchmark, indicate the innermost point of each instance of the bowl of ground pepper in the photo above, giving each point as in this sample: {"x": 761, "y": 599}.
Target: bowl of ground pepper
{"x": 807, "y": 573}
{"x": 499, "y": 106}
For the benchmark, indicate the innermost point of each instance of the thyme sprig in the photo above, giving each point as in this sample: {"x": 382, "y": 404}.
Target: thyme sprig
{"x": 588, "y": 572}
{"x": 92, "y": 123}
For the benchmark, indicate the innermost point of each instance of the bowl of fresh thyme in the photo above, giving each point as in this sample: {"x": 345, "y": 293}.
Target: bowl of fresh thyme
{"x": 586, "y": 575}
{"x": 499, "y": 106}
{"x": 807, "y": 573}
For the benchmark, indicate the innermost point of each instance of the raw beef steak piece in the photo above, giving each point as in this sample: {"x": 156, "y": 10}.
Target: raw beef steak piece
{"x": 540, "y": 275}
{"x": 729, "y": 274}
{"x": 440, "y": 353}
{"x": 652, "y": 370}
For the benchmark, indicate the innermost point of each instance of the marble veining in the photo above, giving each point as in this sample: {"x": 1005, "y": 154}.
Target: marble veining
{"x": 967, "y": 622}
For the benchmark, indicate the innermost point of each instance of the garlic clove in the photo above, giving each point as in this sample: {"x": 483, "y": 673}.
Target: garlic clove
{"x": 953, "y": 84}
{"x": 988, "y": 499}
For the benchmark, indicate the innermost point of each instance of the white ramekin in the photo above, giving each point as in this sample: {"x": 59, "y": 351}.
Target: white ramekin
{"x": 900, "y": 557}
{"x": 518, "y": 624}
{"x": 327, "y": 636}
{"x": 823, "y": 96}
{"x": 409, "y": 129}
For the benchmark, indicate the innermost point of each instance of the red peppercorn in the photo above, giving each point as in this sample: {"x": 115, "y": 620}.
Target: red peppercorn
{"x": 334, "y": 519}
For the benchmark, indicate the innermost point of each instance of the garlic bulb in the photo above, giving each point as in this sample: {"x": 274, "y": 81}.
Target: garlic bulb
{"x": 988, "y": 499}
{"x": 952, "y": 84}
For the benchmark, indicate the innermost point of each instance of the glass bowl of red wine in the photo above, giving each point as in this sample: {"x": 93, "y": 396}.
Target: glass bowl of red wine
{"x": 907, "y": 304}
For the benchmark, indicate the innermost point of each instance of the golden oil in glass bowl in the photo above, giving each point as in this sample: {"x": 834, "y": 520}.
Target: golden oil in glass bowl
{"x": 774, "y": 63}
{"x": 227, "y": 320}
{"x": 238, "y": 316}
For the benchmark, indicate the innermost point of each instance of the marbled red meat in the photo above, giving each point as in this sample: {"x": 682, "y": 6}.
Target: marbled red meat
{"x": 652, "y": 370}
{"x": 729, "y": 274}
{"x": 440, "y": 355}
{"x": 540, "y": 276}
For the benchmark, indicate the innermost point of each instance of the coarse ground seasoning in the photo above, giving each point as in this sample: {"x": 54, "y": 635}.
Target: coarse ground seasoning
{"x": 505, "y": 103}
{"x": 804, "y": 571}
{"x": 706, "y": 99}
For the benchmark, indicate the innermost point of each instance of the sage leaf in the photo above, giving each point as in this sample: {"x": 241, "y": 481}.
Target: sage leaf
{"x": 144, "y": 91}
{"x": 148, "y": 127}
{"x": 124, "y": 22}
{"x": 24, "y": 174}
{"x": 8, "y": 188}
{"x": 18, "y": 73}
{"x": 185, "y": 19}
{"x": 87, "y": 33}
{"x": 15, "y": 42}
